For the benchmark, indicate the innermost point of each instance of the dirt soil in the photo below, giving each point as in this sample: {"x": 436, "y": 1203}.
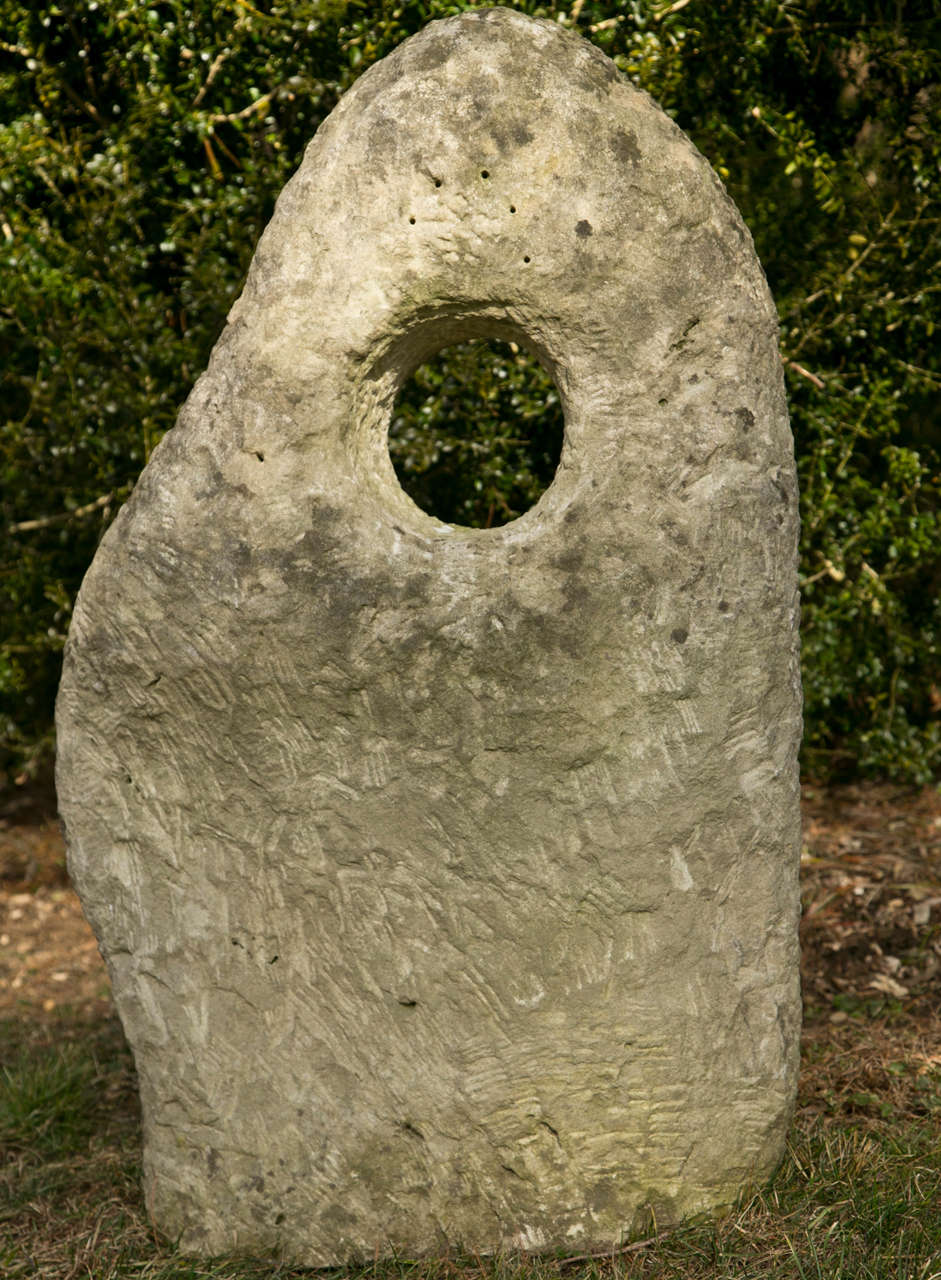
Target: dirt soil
{"x": 49, "y": 960}
{"x": 871, "y": 942}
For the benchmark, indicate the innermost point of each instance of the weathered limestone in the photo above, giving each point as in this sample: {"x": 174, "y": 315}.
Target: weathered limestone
{"x": 447, "y": 878}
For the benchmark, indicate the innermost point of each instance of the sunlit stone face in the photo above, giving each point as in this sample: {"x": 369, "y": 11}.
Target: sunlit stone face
{"x": 447, "y": 876}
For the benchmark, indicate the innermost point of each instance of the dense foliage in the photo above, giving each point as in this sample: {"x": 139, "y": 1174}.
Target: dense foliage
{"x": 476, "y": 434}
{"x": 141, "y": 149}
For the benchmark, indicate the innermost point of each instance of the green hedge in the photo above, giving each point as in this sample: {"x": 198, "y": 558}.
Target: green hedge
{"x": 141, "y": 150}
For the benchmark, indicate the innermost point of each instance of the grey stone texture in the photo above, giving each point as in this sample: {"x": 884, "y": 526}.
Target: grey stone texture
{"x": 447, "y": 878}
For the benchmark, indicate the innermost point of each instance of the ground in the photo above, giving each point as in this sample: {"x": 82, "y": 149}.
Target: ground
{"x": 871, "y": 941}
{"x": 856, "y": 1197}
{"x": 49, "y": 961}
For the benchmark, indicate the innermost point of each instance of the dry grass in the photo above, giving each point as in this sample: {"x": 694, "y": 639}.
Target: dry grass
{"x": 857, "y": 1197}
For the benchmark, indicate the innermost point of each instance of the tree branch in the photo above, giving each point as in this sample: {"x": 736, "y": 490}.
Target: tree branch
{"x": 258, "y": 105}
{"x": 214, "y": 70}
{"x": 804, "y": 373}
{"x": 29, "y": 526}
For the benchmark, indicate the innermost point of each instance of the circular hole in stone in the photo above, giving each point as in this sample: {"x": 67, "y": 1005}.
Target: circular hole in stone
{"x": 526, "y": 258}
{"x": 476, "y": 433}
{"x": 484, "y": 173}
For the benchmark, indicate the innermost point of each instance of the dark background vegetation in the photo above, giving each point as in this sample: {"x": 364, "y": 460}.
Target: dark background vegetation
{"x": 142, "y": 147}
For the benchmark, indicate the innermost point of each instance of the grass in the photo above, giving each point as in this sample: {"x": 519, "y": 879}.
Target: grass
{"x": 858, "y": 1196}
{"x": 47, "y": 1105}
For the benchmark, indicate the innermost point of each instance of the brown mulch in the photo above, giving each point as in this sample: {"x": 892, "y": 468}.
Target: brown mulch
{"x": 870, "y": 934}
{"x": 50, "y": 967}
{"x": 871, "y": 951}
{"x": 871, "y": 891}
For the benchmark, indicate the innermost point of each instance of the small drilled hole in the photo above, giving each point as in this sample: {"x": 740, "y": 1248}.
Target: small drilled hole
{"x": 484, "y": 173}
{"x": 259, "y": 455}
{"x": 437, "y": 182}
{"x": 526, "y": 258}
{"x": 512, "y": 208}
{"x": 411, "y": 222}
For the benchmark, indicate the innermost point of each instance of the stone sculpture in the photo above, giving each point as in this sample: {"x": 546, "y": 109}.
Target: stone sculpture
{"x": 447, "y": 877}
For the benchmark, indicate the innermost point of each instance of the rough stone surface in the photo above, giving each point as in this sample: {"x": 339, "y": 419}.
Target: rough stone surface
{"x": 447, "y": 878}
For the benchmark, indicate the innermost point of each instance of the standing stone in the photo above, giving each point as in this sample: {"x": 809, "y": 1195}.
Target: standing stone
{"x": 447, "y": 877}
